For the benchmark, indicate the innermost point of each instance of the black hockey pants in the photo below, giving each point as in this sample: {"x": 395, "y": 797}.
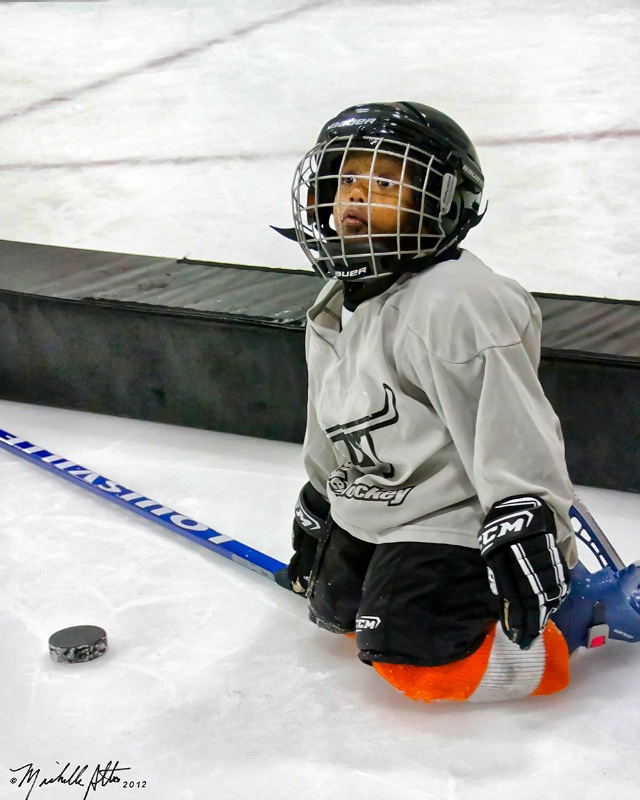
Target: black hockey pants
{"x": 408, "y": 602}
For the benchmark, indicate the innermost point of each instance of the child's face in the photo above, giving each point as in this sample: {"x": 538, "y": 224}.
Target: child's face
{"x": 356, "y": 213}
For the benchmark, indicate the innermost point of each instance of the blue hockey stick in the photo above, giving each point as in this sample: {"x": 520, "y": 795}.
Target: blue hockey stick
{"x": 614, "y": 578}
{"x": 147, "y": 508}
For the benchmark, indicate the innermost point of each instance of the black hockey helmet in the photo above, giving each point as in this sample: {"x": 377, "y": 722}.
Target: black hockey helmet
{"x": 439, "y": 165}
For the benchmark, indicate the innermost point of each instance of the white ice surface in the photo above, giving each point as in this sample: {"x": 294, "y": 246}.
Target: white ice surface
{"x": 172, "y": 127}
{"x": 216, "y": 687}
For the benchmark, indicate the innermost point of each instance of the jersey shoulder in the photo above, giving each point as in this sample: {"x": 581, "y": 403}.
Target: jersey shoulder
{"x": 461, "y": 307}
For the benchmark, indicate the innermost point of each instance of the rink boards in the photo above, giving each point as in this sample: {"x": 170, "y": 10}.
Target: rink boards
{"x": 221, "y": 347}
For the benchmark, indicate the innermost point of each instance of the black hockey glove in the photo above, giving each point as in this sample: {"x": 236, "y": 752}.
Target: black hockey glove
{"x": 526, "y": 570}
{"x": 309, "y": 527}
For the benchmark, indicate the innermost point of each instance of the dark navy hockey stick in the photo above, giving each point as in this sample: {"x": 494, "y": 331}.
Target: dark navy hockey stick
{"x": 589, "y": 532}
{"x": 601, "y": 605}
{"x": 147, "y": 508}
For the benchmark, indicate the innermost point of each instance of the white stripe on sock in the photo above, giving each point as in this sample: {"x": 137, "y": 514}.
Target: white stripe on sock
{"x": 511, "y": 672}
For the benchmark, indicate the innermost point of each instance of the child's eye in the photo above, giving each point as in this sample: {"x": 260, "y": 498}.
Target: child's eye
{"x": 348, "y": 179}
{"x": 383, "y": 183}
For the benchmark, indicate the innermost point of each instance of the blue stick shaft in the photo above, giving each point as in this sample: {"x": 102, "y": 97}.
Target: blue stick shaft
{"x": 144, "y": 506}
{"x": 202, "y": 534}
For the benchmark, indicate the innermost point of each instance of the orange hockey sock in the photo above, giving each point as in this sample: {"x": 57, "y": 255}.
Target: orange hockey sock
{"x": 556, "y": 673}
{"x": 497, "y": 670}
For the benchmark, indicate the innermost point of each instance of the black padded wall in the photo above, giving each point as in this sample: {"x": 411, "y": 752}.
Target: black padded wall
{"x": 221, "y": 347}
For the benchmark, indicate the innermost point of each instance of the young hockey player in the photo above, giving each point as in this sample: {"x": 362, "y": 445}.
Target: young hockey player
{"x": 435, "y": 522}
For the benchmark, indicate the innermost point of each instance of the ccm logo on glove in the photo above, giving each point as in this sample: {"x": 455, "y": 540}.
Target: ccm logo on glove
{"x": 511, "y": 524}
{"x": 526, "y": 569}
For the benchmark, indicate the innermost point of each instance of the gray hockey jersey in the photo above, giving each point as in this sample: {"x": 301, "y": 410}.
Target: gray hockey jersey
{"x": 426, "y": 409}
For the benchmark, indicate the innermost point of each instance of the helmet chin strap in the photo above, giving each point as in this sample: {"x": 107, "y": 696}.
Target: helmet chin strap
{"x": 360, "y": 255}
{"x": 366, "y": 262}
{"x": 290, "y": 233}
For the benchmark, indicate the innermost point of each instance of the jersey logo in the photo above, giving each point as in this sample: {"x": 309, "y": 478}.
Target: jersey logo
{"x": 358, "y": 439}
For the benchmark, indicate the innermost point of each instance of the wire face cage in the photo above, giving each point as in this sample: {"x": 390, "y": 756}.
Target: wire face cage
{"x": 361, "y": 206}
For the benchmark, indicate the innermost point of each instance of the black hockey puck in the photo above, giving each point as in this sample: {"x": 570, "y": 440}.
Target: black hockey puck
{"x": 78, "y": 644}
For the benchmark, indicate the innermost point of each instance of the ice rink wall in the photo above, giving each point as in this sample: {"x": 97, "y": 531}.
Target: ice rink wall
{"x": 221, "y": 347}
